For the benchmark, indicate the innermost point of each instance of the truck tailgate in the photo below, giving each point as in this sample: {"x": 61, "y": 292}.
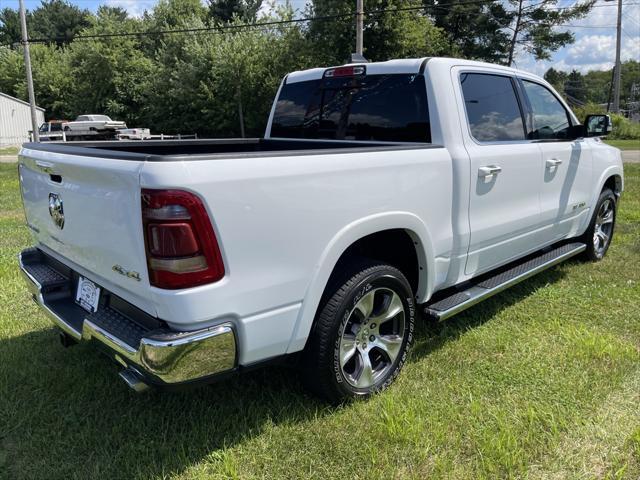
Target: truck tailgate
{"x": 87, "y": 211}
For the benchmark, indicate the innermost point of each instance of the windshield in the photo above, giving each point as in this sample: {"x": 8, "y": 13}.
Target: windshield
{"x": 390, "y": 108}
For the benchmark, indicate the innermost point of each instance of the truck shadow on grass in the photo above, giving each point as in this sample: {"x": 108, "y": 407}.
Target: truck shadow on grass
{"x": 65, "y": 414}
{"x": 432, "y": 335}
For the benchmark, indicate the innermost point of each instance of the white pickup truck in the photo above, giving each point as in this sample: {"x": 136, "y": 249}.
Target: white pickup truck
{"x": 379, "y": 190}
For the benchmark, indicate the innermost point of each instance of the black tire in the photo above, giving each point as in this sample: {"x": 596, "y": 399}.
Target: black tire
{"x": 595, "y": 250}
{"x": 340, "y": 315}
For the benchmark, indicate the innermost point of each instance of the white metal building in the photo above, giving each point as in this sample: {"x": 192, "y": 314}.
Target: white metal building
{"x": 15, "y": 120}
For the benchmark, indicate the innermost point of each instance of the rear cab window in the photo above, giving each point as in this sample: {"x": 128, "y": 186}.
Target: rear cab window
{"x": 390, "y": 108}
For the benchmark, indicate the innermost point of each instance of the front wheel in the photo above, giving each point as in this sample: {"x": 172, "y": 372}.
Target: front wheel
{"x": 600, "y": 232}
{"x": 362, "y": 333}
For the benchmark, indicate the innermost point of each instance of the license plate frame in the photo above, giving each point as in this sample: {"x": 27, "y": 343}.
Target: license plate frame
{"x": 87, "y": 294}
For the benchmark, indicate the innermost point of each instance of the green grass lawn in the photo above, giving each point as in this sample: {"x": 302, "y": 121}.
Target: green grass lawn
{"x": 9, "y": 150}
{"x": 625, "y": 144}
{"x": 539, "y": 382}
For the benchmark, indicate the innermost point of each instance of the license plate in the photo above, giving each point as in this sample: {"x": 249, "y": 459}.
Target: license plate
{"x": 87, "y": 295}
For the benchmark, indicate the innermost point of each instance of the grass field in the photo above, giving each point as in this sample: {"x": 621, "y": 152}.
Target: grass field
{"x": 9, "y": 150}
{"x": 540, "y": 382}
{"x": 625, "y": 144}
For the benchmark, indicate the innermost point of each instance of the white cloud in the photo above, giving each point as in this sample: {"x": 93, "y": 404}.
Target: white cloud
{"x": 592, "y": 49}
{"x": 135, "y": 8}
{"x": 595, "y": 45}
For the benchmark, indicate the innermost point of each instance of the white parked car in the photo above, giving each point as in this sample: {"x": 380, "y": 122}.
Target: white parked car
{"x": 134, "y": 134}
{"x": 380, "y": 190}
{"x": 93, "y": 123}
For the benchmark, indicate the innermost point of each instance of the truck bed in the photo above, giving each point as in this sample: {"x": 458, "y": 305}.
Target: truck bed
{"x": 172, "y": 150}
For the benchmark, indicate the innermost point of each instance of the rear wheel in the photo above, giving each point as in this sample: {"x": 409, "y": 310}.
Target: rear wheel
{"x": 362, "y": 334}
{"x": 600, "y": 232}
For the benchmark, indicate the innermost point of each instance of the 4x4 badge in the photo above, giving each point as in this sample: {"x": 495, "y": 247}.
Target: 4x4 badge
{"x": 56, "y": 210}
{"x": 127, "y": 273}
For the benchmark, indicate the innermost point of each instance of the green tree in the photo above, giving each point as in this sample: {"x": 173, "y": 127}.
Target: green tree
{"x": 476, "y": 30}
{"x": 170, "y": 15}
{"x": 574, "y": 86}
{"x": 58, "y": 20}
{"x": 496, "y": 31}
{"x": 630, "y": 80}
{"x": 52, "y": 81}
{"x": 222, "y": 84}
{"x": 110, "y": 75}
{"x": 534, "y": 22}
{"x": 51, "y": 78}
{"x": 597, "y": 85}
{"x": 10, "y": 32}
{"x": 11, "y": 71}
{"x": 556, "y": 78}
{"x": 117, "y": 13}
{"x": 225, "y": 10}
{"x": 387, "y": 35}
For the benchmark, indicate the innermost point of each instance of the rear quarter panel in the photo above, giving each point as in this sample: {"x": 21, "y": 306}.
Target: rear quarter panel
{"x": 283, "y": 222}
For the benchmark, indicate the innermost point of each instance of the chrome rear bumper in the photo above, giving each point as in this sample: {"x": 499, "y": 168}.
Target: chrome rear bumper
{"x": 151, "y": 355}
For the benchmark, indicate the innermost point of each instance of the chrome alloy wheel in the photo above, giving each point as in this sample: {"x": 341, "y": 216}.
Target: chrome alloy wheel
{"x": 603, "y": 227}
{"x": 372, "y": 337}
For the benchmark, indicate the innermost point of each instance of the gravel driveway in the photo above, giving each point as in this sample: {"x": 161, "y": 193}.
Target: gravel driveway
{"x": 631, "y": 156}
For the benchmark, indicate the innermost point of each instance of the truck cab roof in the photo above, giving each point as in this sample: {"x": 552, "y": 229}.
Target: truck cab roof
{"x": 405, "y": 65}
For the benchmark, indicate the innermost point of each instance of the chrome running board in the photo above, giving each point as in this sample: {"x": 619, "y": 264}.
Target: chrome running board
{"x": 486, "y": 286}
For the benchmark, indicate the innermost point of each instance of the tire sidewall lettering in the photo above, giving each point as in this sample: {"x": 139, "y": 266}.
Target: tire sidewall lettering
{"x": 387, "y": 281}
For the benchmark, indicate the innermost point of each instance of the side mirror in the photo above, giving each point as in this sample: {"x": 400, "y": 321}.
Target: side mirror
{"x": 597, "y": 125}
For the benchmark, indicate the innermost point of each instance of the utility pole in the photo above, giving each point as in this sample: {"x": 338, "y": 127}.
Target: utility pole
{"x": 27, "y": 67}
{"x": 359, "y": 25}
{"x": 618, "y": 67}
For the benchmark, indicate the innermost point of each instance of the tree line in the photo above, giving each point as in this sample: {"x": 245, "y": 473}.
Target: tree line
{"x": 219, "y": 78}
{"x": 596, "y": 86}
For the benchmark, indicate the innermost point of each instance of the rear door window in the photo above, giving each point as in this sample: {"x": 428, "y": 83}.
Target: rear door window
{"x": 492, "y": 107}
{"x": 369, "y": 107}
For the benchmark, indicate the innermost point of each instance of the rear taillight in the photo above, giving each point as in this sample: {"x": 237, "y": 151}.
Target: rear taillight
{"x": 182, "y": 250}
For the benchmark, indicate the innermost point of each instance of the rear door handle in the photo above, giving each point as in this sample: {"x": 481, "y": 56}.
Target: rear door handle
{"x": 553, "y": 162}
{"x": 489, "y": 170}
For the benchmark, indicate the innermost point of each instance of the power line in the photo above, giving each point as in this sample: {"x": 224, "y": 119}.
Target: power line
{"x": 251, "y": 25}
{"x": 584, "y": 26}
{"x": 629, "y": 17}
{"x": 232, "y": 27}
{"x": 635, "y": 39}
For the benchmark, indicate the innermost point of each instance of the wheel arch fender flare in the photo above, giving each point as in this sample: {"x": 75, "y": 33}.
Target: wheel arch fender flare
{"x": 611, "y": 171}
{"x": 341, "y": 241}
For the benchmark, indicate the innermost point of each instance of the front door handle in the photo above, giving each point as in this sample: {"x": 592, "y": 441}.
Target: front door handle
{"x": 489, "y": 170}
{"x": 553, "y": 162}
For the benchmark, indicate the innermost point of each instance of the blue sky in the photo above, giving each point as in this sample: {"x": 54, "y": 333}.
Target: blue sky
{"x": 594, "y": 48}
